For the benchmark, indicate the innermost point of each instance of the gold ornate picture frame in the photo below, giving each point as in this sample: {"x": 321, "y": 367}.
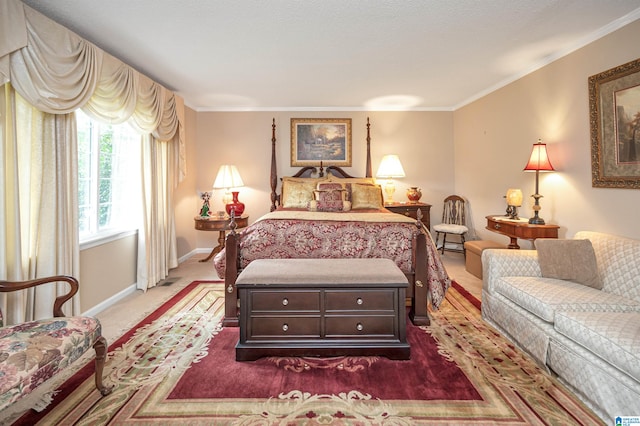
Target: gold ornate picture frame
{"x": 320, "y": 139}
{"x": 614, "y": 103}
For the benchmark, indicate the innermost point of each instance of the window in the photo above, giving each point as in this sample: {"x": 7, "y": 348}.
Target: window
{"x": 108, "y": 177}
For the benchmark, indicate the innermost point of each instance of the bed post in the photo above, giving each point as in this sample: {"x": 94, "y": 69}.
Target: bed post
{"x": 232, "y": 266}
{"x": 368, "y": 167}
{"x": 274, "y": 169}
{"x": 418, "y": 311}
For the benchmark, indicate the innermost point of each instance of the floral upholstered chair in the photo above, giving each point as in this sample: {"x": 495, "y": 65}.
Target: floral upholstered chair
{"x": 35, "y": 351}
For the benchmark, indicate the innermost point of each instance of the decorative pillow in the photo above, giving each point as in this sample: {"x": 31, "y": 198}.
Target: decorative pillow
{"x": 297, "y": 192}
{"x": 330, "y": 192}
{"x": 329, "y": 206}
{"x": 366, "y": 196}
{"x": 330, "y": 197}
{"x": 572, "y": 260}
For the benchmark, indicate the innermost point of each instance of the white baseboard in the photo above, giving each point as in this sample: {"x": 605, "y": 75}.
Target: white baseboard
{"x": 194, "y": 252}
{"x": 111, "y": 301}
{"x": 133, "y": 287}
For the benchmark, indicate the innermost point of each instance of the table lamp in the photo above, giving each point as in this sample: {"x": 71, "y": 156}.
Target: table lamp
{"x": 514, "y": 200}
{"x": 538, "y": 162}
{"x": 228, "y": 177}
{"x": 390, "y": 168}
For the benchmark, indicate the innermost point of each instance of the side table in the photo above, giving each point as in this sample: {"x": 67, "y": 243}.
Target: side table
{"x": 515, "y": 229}
{"x": 411, "y": 210}
{"x": 220, "y": 225}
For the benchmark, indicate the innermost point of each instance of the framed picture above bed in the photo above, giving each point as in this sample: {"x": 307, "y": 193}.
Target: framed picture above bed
{"x": 614, "y": 100}
{"x": 315, "y": 140}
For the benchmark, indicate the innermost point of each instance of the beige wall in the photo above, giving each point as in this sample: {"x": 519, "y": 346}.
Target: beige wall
{"x": 493, "y": 138}
{"x": 107, "y": 270}
{"x": 423, "y": 140}
{"x": 186, "y": 198}
{"x": 478, "y": 151}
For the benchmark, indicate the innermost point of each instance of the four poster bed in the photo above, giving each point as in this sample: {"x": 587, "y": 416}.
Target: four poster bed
{"x": 327, "y": 213}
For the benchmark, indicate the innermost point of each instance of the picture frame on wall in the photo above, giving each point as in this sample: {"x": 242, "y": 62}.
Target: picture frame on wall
{"x": 614, "y": 103}
{"x": 315, "y": 140}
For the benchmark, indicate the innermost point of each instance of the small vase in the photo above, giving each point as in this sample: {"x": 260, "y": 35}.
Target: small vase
{"x": 235, "y": 205}
{"x": 414, "y": 194}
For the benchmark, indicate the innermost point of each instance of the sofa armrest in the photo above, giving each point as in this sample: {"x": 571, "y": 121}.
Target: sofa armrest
{"x": 498, "y": 263}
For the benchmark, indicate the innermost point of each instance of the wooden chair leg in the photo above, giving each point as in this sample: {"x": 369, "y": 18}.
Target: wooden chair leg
{"x": 101, "y": 356}
{"x": 464, "y": 251}
{"x": 444, "y": 241}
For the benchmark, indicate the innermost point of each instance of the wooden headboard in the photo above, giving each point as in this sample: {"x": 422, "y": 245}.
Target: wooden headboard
{"x": 308, "y": 171}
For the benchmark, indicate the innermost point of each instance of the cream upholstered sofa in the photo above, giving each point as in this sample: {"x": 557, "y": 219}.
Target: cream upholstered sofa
{"x": 588, "y": 337}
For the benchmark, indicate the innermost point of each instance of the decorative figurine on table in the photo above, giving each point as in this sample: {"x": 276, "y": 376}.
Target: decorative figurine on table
{"x": 206, "y": 208}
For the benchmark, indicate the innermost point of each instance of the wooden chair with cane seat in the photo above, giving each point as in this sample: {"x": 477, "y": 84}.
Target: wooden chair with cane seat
{"x": 453, "y": 223}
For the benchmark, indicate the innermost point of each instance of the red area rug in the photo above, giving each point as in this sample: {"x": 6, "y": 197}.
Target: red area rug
{"x": 178, "y": 367}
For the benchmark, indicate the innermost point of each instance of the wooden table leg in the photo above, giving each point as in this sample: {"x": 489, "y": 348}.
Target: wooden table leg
{"x": 217, "y": 249}
{"x": 513, "y": 244}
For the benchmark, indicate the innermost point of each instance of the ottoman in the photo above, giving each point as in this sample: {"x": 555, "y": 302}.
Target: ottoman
{"x": 473, "y": 262}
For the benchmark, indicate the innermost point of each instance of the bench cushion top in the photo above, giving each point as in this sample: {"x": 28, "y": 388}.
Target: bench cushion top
{"x": 322, "y": 271}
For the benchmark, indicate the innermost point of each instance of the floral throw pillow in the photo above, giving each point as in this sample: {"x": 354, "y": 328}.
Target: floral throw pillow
{"x": 330, "y": 197}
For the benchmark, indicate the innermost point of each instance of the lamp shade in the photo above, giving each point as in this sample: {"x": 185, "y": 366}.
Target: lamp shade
{"x": 539, "y": 159}
{"x": 390, "y": 167}
{"x": 228, "y": 177}
{"x": 514, "y": 197}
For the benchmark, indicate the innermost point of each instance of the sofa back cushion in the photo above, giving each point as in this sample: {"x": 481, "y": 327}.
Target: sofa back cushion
{"x": 572, "y": 259}
{"x": 618, "y": 260}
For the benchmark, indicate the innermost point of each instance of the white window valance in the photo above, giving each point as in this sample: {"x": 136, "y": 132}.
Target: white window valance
{"x": 57, "y": 72}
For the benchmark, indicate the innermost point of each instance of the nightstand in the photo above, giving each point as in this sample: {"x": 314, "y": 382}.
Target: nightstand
{"x": 411, "y": 210}
{"x": 218, "y": 224}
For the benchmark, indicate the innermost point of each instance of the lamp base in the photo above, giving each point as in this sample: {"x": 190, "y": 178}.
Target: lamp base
{"x": 389, "y": 189}
{"x": 512, "y": 212}
{"x": 535, "y": 220}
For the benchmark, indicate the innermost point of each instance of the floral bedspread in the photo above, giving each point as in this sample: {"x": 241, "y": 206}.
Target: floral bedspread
{"x": 274, "y": 236}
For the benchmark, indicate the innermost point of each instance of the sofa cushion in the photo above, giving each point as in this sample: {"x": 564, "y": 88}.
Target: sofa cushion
{"x": 572, "y": 260}
{"x": 544, "y": 297}
{"x": 613, "y": 336}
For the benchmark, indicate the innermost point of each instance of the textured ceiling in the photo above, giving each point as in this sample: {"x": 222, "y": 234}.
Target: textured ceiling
{"x": 337, "y": 54}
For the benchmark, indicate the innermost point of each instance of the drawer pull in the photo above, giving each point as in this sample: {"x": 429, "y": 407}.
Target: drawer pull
{"x": 285, "y": 301}
{"x": 359, "y": 327}
{"x": 285, "y": 327}
{"x": 359, "y": 301}
{"x": 419, "y": 283}
{"x": 497, "y": 226}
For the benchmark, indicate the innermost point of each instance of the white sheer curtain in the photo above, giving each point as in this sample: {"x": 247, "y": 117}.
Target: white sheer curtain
{"x": 40, "y": 232}
{"x": 57, "y": 72}
{"x": 158, "y": 175}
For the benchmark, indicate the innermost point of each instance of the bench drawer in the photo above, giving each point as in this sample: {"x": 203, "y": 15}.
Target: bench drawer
{"x": 360, "y": 300}
{"x": 361, "y": 326}
{"x": 273, "y": 301}
{"x": 284, "y": 327}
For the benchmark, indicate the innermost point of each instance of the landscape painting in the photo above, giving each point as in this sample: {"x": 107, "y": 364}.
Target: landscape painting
{"x": 315, "y": 140}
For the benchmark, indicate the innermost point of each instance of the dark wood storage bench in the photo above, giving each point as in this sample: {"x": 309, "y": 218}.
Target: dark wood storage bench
{"x": 322, "y": 307}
